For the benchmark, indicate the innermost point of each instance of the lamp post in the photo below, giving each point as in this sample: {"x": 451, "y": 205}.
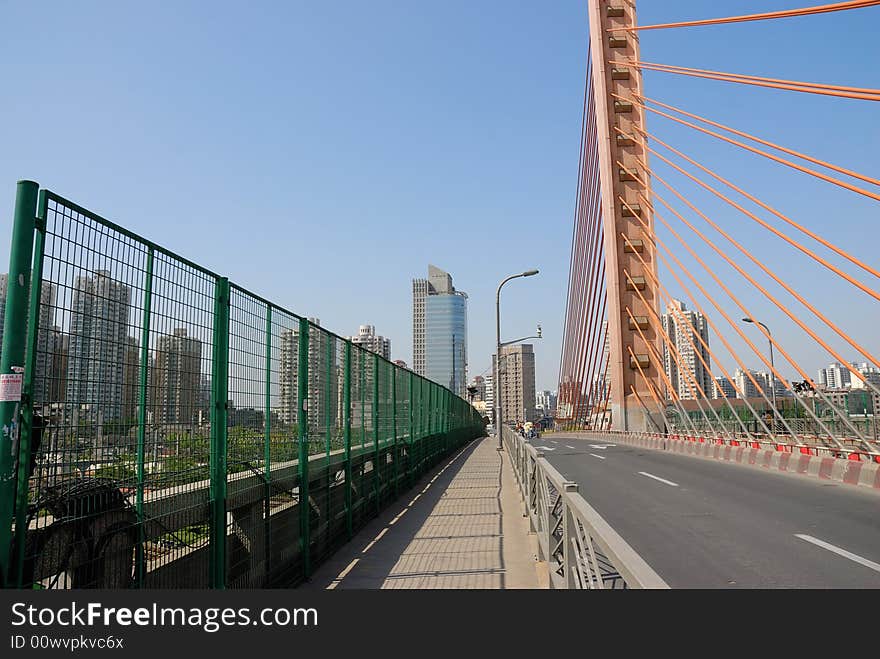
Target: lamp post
{"x": 772, "y": 366}
{"x": 497, "y": 384}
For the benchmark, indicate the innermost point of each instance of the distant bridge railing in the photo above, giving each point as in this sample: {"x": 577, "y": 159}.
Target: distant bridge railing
{"x": 166, "y": 428}
{"x": 582, "y": 550}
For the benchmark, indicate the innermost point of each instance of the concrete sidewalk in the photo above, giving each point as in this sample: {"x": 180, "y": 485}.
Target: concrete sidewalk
{"x": 461, "y": 527}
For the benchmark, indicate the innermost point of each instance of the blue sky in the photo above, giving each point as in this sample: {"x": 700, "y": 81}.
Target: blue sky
{"x": 322, "y": 154}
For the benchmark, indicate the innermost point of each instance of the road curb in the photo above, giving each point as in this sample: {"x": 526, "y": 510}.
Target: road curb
{"x": 846, "y": 472}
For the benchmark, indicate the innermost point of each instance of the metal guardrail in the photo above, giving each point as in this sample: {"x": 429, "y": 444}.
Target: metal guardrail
{"x": 581, "y": 548}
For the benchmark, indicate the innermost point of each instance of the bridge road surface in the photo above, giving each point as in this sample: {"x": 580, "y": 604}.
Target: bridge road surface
{"x": 708, "y": 524}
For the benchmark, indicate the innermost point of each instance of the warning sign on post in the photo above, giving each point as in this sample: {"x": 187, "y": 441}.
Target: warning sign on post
{"x": 10, "y": 387}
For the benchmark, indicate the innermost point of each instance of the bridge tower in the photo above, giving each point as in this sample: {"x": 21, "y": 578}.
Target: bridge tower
{"x": 634, "y": 366}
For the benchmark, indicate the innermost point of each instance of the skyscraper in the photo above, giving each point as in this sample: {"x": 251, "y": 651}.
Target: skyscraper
{"x": 98, "y": 341}
{"x": 685, "y": 329}
{"x": 177, "y": 378}
{"x": 440, "y": 330}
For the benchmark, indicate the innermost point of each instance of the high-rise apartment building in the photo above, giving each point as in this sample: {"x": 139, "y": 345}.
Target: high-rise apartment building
{"x": 516, "y": 387}
{"x": 836, "y": 376}
{"x": 440, "y": 330}
{"x": 177, "y": 378}
{"x": 723, "y": 388}
{"x": 745, "y": 388}
{"x": 869, "y": 372}
{"x": 366, "y": 338}
{"x": 99, "y": 319}
{"x": 57, "y": 385}
{"x": 489, "y": 396}
{"x": 323, "y": 378}
{"x": 688, "y": 374}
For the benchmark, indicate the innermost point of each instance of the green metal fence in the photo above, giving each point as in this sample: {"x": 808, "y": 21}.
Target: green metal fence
{"x": 164, "y": 428}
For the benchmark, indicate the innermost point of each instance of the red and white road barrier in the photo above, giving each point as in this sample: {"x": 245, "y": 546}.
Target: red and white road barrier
{"x": 782, "y": 457}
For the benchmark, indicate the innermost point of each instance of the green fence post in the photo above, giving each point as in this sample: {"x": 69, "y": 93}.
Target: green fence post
{"x": 394, "y": 423}
{"x": 362, "y": 368}
{"x": 219, "y": 406}
{"x": 302, "y": 397}
{"x": 12, "y": 360}
{"x": 411, "y": 446}
{"x": 346, "y": 419}
{"x": 328, "y": 511}
{"x": 376, "y": 483}
{"x": 142, "y": 417}
{"x": 27, "y": 394}
{"x": 267, "y": 454}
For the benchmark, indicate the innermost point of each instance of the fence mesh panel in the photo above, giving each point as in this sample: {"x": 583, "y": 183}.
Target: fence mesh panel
{"x": 134, "y": 483}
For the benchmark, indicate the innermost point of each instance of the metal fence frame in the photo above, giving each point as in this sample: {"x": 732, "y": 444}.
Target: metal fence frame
{"x": 360, "y": 432}
{"x": 580, "y": 547}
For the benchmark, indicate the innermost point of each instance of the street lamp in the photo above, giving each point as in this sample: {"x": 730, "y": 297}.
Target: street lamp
{"x": 497, "y": 384}
{"x": 772, "y": 367}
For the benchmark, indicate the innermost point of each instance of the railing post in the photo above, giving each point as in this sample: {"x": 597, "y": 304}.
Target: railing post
{"x": 375, "y": 411}
{"x": 28, "y": 399}
{"x": 394, "y": 423}
{"x": 346, "y": 420}
{"x": 569, "y": 531}
{"x": 219, "y": 404}
{"x": 140, "y": 560}
{"x": 302, "y": 406}
{"x": 12, "y": 361}
{"x": 267, "y": 453}
{"x": 410, "y": 451}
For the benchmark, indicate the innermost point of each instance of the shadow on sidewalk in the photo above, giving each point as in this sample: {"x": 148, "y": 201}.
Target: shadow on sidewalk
{"x": 367, "y": 561}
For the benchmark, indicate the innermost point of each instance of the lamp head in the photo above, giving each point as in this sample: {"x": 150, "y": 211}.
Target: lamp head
{"x": 529, "y": 273}
{"x": 748, "y": 320}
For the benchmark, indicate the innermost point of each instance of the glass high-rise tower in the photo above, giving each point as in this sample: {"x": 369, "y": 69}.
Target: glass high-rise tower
{"x": 440, "y": 330}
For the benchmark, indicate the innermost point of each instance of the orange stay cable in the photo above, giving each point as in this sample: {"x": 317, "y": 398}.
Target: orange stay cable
{"x": 665, "y": 293}
{"x": 711, "y": 299}
{"x": 789, "y": 13}
{"x": 800, "y": 168}
{"x": 736, "y": 327}
{"x": 833, "y": 268}
{"x": 673, "y": 394}
{"x": 708, "y": 296}
{"x": 766, "y": 293}
{"x": 767, "y": 271}
{"x": 673, "y": 349}
{"x": 651, "y": 386}
{"x": 791, "y": 152}
{"x": 793, "y": 86}
{"x": 748, "y": 76}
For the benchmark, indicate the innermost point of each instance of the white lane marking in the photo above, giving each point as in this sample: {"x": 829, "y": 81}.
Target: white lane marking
{"x": 571, "y": 447}
{"x": 602, "y": 446}
{"x": 601, "y": 457}
{"x": 840, "y": 552}
{"x": 657, "y": 478}
{"x": 545, "y": 448}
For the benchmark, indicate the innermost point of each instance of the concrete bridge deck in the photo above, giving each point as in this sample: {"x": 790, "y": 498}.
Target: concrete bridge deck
{"x": 462, "y": 527}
